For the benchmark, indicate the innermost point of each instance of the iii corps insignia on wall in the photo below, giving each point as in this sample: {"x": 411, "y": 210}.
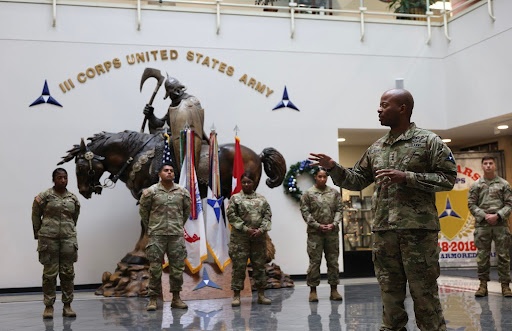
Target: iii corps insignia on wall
{"x": 454, "y": 214}
{"x": 456, "y": 239}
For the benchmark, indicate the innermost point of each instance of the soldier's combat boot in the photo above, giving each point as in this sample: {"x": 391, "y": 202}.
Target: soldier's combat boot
{"x": 67, "y": 311}
{"x": 505, "y": 290}
{"x": 482, "y": 290}
{"x": 176, "y": 301}
{"x": 313, "y": 297}
{"x": 262, "y": 299}
{"x": 152, "y": 304}
{"x": 236, "y": 299}
{"x": 335, "y": 296}
{"x": 48, "y": 312}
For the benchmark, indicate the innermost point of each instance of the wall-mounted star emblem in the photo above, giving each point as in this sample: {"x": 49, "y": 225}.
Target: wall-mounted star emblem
{"x": 285, "y": 102}
{"x": 45, "y": 97}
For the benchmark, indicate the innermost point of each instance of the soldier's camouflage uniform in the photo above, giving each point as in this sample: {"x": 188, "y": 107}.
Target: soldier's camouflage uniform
{"x": 54, "y": 218}
{"x": 492, "y": 196}
{"x": 244, "y": 212}
{"x": 322, "y": 207}
{"x": 406, "y": 222}
{"x": 163, "y": 214}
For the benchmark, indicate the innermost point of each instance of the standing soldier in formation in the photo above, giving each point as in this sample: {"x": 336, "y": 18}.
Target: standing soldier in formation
{"x": 408, "y": 165}
{"x": 164, "y": 209}
{"x": 490, "y": 202}
{"x": 322, "y": 210}
{"x": 54, "y": 216}
{"x": 249, "y": 214}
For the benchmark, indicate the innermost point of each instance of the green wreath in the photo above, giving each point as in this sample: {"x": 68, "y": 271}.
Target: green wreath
{"x": 290, "y": 180}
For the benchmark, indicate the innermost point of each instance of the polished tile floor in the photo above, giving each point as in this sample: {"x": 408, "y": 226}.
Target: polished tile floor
{"x": 290, "y": 310}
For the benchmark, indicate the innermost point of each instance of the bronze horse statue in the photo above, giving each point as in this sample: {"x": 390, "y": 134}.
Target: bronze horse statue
{"x": 134, "y": 158}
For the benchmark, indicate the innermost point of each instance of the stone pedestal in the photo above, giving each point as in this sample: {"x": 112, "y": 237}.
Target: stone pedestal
{"x": 209, "y": 283}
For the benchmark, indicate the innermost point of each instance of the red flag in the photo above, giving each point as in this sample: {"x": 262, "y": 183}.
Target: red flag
{"x": 238, "y": 168}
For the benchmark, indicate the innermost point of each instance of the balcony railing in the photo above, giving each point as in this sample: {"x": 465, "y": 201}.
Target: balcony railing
{"x": 438, "y": 14}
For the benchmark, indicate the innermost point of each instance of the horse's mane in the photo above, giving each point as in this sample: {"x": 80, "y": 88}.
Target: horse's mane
{"x": 132, "y": 141}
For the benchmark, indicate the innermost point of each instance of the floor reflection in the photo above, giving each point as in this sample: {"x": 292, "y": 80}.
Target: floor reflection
{"x": 50, "y": 324}
{"x": 290, "y": 310}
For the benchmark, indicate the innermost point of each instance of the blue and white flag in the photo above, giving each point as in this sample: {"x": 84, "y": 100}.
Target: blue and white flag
{"x": 217, "y": 234}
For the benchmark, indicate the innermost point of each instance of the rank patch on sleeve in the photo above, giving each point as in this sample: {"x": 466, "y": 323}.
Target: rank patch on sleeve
{"x": 451, "y": 158}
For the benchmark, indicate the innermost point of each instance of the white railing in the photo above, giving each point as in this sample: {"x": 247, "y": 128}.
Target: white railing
{"x": 293, "y": 11}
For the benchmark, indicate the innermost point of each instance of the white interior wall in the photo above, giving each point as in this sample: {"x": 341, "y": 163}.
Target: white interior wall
{"x": 476, "y": 65}
{"x": 335, "y": 79}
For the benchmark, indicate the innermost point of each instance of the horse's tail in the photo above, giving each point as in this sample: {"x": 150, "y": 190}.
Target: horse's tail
{"x": 274, "y": 165}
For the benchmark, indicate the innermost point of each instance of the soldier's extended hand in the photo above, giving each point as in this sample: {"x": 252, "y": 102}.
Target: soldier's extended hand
{"x": 322, "y": 160}
{"x": 386, "y": 177}
{"x": 148, "y": 110}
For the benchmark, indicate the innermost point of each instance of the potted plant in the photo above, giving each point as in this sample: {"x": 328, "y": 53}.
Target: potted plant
{"x": 409, "y": 7}
{"x": 266, "y": 3}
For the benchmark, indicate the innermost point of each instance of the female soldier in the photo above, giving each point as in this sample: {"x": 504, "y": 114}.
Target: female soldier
{"x": 249, "y": 214}
{"x": 54, "y": 216}
{"x": 322, "y": 210}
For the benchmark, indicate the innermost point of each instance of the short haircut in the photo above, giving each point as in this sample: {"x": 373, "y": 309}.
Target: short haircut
{"x": 404, "y": 97}
{"x": 249, "y": 175}
{"x": 165, "y": 164}
{"x": 56, "y": 171}
{"x": 488, "y": 157}
{"x": 316, "y": 170}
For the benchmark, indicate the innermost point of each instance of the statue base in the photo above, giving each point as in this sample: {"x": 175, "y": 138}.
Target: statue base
{"x": 131, "y": 278}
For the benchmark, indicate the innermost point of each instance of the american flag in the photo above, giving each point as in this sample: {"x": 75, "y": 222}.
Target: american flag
{"x": 167, "y": 157}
